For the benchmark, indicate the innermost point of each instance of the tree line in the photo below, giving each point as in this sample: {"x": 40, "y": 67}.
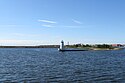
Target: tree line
{"x": 87, "y": 45}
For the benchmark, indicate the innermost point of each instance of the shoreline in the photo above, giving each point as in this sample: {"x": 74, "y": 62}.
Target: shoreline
{"x": 115, "y": 48}
{"x": 98, "y": 49}
{"x": 41, "y": 46}
{"x": 57, "y": 46}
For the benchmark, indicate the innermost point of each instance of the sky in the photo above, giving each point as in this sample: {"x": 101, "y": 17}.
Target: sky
{"x": 40, "y": 22}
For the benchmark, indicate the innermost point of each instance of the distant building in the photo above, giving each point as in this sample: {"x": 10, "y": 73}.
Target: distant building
{"x": 116, "y": 45}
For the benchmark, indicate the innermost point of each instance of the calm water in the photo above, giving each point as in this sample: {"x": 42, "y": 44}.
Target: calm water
{"x": 32, "y": 65}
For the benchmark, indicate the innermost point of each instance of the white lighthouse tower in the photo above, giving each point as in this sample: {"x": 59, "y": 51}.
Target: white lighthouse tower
{"x": 61, "y": 46}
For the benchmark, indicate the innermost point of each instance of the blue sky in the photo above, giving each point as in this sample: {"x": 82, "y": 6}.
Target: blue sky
{"x": 37, "y": 22}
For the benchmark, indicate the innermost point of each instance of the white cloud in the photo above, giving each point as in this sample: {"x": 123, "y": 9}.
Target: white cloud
{"x": 47, "y": 21}
{"x": 76, "y": 21}
{"x": 47, "y": 25}
{"x": 15, "y": 42}
{"x": 20, "y": 42}
{"x": 61, "y": 26}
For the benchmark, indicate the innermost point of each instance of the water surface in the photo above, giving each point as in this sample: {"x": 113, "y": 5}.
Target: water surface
{"x": 47, "y": 65}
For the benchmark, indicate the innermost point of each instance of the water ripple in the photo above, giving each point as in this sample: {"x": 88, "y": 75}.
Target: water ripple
{"x": 47, "y": 65}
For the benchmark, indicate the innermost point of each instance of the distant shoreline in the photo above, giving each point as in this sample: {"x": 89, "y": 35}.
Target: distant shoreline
{"x": 97, "y": 49}
{"x": 41, "y": 46}
{"x": 57, "y": 46}
{"x": 105, "y": 49}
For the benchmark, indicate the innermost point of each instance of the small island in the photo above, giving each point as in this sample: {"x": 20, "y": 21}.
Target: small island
{"x": 97, "y": 46}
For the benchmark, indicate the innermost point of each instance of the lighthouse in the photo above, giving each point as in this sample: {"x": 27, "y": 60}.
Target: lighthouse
{"x": 62, "y": 45}
{"x": 61, "y": 48}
